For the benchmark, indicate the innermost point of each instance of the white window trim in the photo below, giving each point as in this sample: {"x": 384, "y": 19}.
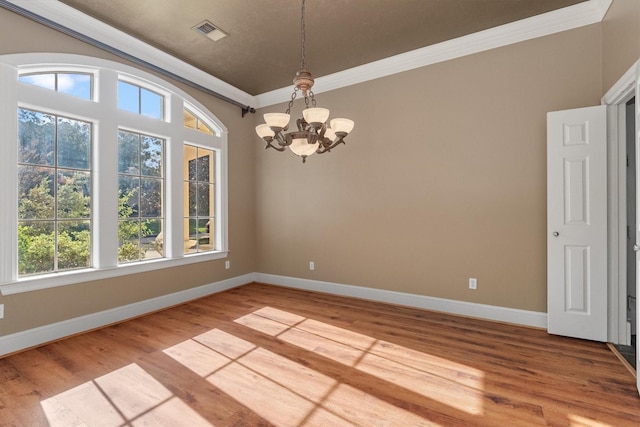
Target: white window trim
{"x": 106, "y": 119}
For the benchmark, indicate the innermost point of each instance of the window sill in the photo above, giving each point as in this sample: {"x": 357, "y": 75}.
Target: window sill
{"x": 36, "y": 283}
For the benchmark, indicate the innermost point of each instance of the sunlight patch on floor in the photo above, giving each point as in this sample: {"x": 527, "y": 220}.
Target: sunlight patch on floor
{"x": 127, "y": 396}
{"x": 450, "y": 383}
{"x": 578, "y": 421}
{"x": 264, "y": 381}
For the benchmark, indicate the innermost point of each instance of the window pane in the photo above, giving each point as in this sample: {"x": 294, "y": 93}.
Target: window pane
{"x": 199, "y": 204}
{"x": 78, "y": 85}
{"x": 151, "y": 104}
{"x": 189, "y": 119}
{"x": 75, "y": 84}
{"x": 74, "y": 144}
{"x": 128, "y": 97}
{"x": 193, "y": 198}
{"x": 192, "y": 168}
{"x": 140, "y": 187}
{"x": 36, "y": 136}
{"x": 192, "y": 121}
{"x": 151, "y": 198}
{"x": 203, "y": 235}
{"x": 129, "y": 238}
{"x": 35, "y": 192}
{"x": 204, "y": 198}
{"x": 210, "y": 229}
{"x": 204, "y": 164}
{"x": 204, "y": 128}
{"x": 128, "y": 153}
{"x": 36, "y": 247}
{"x": 153, "y": 239}
{"x": 190, "y": 242}
{"x": 54, "y": 184}
{"x": 47, "y": 81}
{"x": 74, "y": 245}
{"x": 128, "y": 196}
{"x": 151, "y": 156}
{"x": 73, "y": 194}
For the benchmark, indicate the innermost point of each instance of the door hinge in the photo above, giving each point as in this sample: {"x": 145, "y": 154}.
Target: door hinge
{"x": 627, "y": 161}
{"x": 628, "y": 233}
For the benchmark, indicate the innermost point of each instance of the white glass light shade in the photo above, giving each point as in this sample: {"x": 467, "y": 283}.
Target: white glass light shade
{"x": 342, "y": 125}
{"x": 330, "y": 134}
{"x": 315, "y": 115}
{"x": 301, "y": 147}
{"x": 264, "y": 130}
{"x": 278, "y": 120}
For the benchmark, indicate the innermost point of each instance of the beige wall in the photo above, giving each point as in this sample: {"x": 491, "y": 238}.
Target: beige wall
{"x": 620, "y": 39}
{"x": 442, "y": 179}
{"x": 32, "y": 309}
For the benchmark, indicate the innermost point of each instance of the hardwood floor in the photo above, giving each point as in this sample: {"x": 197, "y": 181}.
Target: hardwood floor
{"x": 264, "y": 355}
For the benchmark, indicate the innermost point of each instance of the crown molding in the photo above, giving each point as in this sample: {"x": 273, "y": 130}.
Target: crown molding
{"x": 568, "y": 18}
{"x": 586, "y": 13}
{"x": 68, "y": 18}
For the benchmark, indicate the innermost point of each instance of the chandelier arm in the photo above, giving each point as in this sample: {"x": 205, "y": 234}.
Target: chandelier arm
{"x": 268, "y": 144}
{"x": 283, "y": 139}
{"x": 331, "y": 146}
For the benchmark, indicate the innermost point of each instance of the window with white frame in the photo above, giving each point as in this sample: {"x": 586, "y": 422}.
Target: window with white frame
{"x": 54, "y": 193}
{"x": 140, "y": 195}
{"x": 199, "y": 199}
{"x": 101, "y": 149}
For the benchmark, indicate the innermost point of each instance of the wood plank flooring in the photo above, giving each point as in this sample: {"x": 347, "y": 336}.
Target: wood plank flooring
{"x": 262, "y": 355}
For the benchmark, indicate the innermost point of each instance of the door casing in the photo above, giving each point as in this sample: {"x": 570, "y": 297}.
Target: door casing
{"x": 615, "y": 99}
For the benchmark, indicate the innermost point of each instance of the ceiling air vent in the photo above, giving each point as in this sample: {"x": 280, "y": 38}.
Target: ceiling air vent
{"x": 206, "y": 28}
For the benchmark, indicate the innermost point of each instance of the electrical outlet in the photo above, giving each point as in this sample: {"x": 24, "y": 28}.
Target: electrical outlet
{"x": 312, "y": 265}
{"x": 227, "y": 264}
{"x": 473, "y": 283}
{"x": 1, "y": 311}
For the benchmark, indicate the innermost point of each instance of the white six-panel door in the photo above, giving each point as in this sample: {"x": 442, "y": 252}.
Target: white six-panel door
{"x": 577, "y": 223}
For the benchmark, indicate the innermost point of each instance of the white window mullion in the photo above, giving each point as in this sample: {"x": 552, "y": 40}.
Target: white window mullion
{"x": 9, "y": 181}
{"x": 222, "y": 213}
{"x": 174, "y": 191}
{"x": 105, "y": 175}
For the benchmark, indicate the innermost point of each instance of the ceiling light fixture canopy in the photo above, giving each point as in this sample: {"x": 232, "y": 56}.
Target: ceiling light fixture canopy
{"x": 313, "y": 134}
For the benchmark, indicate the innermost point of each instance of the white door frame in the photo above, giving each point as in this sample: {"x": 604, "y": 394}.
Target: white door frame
{"x": 626, "y": 88}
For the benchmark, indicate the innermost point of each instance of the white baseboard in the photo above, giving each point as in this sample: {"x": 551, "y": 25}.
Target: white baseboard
{"x": 483, "y": 311}
{"x": 43, "y": 334}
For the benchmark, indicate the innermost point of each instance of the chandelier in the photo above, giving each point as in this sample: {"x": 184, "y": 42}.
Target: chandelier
{"x": 313, "y": 134}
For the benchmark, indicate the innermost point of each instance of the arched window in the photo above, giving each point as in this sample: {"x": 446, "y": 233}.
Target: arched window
{"x": 106, "y": 170}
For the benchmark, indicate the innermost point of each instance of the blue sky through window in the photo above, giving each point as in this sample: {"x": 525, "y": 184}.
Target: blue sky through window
{"x": 75, "y": 84}
{"x": 139, "y": 100}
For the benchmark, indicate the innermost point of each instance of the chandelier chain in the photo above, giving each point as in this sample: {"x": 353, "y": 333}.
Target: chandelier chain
{"x": 302, "y": 26}
{"x": 293, "y": 98}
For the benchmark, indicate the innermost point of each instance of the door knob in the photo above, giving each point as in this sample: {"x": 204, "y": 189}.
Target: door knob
{"x": 556, "y": 234}
{"x": 636, "y": 248}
